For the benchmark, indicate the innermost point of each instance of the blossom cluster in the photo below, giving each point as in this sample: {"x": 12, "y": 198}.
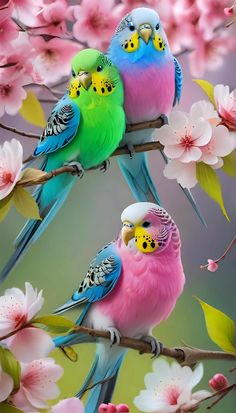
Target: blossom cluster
{"x": 205, "y": 134}
{"x": 31, "y": 346}
{"x": 38, "y": 39}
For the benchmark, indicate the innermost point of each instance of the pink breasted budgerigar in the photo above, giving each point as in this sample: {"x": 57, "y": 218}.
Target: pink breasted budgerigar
{"x": 131, "y": 286}
{"x": 152, "y": 79}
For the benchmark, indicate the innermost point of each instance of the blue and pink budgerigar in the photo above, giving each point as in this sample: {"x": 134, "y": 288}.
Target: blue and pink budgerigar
{"x": 132, "y": 285}
{"x": 152, "y": 79}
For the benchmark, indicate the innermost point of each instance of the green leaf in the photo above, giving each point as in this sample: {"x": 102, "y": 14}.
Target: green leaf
{"x": 209, "y": 182}
{"x": 31, "y": 175}
{"x": 10, "y": 365}
{"x": 25, "y": 203}
{"x": 5, "y": 205}
{"x": 55, "y": 323}
{"x": 220, "y": 327}
{"x": 31, "y": 110}
{"x": 8, "y": 408}
{"x": 207, "y": 87}
{"x": 229, "y": 166}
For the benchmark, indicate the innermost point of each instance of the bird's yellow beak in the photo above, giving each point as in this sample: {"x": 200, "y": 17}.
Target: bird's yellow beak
{"x": 85, "y": 79}
{"x": 127, "y": 233}
{"x": 145, "y": 31}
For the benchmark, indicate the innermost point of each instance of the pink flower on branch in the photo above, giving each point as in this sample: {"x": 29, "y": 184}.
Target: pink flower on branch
{"x": 95, "y": 22}
{"x": 212, "y": 265}
{"x": 218, "y": 381}
{"x": 226, "y": 105}
{"x": 16, "y": 311}
{"x": 169, "y": 388}
{"x": 37, "y": 384}
{"x": 11, "y": 160}
{"x": 8, "y": 29}
{"x": 6, "y": 385}
{"x": 51, "y": 19}
{"x": 53, "y": 58}
{"x": 12, "y": 92}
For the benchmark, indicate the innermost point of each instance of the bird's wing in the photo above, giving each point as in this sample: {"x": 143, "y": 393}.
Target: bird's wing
{"x": 100, "y": 279}
{"x": 178, "y": 81}
{"x": 61, "y": 127}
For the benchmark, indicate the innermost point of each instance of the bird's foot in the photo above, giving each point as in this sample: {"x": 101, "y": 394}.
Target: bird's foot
{"x": 105, "y": 165}
{"x": 164, "y": 119}
{"x": 79, "y": 170}
{"x": 131, "y": 150}
{"x": 156, "y": 345}
{"x": 115, "y": 335}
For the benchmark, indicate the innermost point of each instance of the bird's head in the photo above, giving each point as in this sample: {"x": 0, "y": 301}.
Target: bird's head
{"x": 149, "y": 227}
{"x": 94, "y": 72}
{"x": 139, "y": 32}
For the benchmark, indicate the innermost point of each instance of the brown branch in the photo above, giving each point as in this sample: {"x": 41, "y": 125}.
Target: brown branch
{"x": 18, "y": 132}
{"x": 231, "y": 244}
{"x": 185, "y": 355}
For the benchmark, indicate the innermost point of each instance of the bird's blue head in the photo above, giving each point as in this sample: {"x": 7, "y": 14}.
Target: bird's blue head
{"x": 139, "y": 37}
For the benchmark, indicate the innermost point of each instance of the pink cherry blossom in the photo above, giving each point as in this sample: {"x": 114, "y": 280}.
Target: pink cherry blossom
{"x": 26, "y": 10}
{"x": 95, "y": 22}
{"x": 37, "y": 384}
{"x": 6, "y": 385}
{"x": 209, "y": 52}
{"x": 51, "y": 19}
{"x": 53, "y": 58}
{"x": 185, "y": 173}
{"x": 73, "y": 405}
{"x": 8, "y": 29}
{"x": 226, "y": 105}
{"x": 12, "y": 92}
{"x": 211, "y": 14}
{"x": 11, "y": 160}
{"x": 218, "y": 381}
{"x": 212, "y": 265}
{"x": 221, "y": 144}
{"x": 16, "y": 310}
{"x": 169, "y": 388}
{"x": 184, "y": 136}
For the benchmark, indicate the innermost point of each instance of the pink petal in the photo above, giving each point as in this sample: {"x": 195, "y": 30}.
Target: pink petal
{"x": 72, "y": 405}
{"x": 31, "y": 343}
{"x": 202, "y": 132}
{"x": 222, "y": 141}
{"x": 167, "y": 136}
{"x": 212, "y": 265}
{"x": 6, "y": 385}
{"x": 174, "y": 151}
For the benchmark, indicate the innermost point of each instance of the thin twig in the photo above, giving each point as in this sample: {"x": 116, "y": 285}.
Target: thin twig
{"x": 231, "y": 244}
{"x": 18, "y": 132}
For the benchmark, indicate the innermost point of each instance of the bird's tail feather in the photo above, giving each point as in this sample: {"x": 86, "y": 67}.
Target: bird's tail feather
{"x": 102, "y": 376}
{"x": 189, "y": 195}
{"x": 136, "y": 172}
{"x": 33, "y": 229}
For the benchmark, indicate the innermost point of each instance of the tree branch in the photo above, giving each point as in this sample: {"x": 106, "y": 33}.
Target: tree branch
{"x": 231, "y": 244}
{"x": 184, "y": 355}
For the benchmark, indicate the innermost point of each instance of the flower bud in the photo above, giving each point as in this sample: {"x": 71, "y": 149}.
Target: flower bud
{"x": 218, "y": 382}
{"x": 212, "y": 265}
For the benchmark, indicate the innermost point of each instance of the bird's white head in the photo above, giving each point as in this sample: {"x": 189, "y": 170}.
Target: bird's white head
{"x": 150, "y": 226}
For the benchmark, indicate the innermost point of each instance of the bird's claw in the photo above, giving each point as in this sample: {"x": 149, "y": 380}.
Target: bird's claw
{"x": 156, "y": 345}
{"x": 105, "y": 165}
{"x": 78, "y": 169}
{"x": 131, "y": 150}
{"x": 115, "y": 335}
{"x": 164, "y": 119}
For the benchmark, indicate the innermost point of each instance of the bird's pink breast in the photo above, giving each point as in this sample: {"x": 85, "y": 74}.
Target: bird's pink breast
{"x": 145, "y": 293}
{"x": 149, "y": 91}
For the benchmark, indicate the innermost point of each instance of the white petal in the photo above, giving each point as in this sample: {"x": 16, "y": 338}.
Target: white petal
{"x": 203, "y": 109}
{"x": 34, "y": 301}
{"x": 222, "y": 141}
{"x": 146, "y": 402}
{"x": 191, "y": 154}
{"x": 72, "y": 405}
{"x": 201, "y": 394}
{"x": 202, "y": 132}
{"x": 197, "y": 375}
{"x": 174, "y": 151}
{"x": 178, "y": 120}
{"x": 185, "y": 396}
{"x": 167, "y": 136}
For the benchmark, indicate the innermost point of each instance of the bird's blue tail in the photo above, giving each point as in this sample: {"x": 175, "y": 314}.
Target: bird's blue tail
{"x": 33, "y": 229}
{"x": 102, "y": 376}
{"x": 136, "y": 173}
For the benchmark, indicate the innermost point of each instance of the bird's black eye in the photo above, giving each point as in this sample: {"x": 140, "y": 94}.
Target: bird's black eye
{"x": 146, "y": 224}
{"x": 157, "y": 26}
{"x": 73, "y": 73}
{"x": 131, "y": 26}
{"x": 99, "y": 68}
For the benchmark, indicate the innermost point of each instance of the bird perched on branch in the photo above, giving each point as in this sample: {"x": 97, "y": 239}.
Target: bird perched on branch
{"x": 131, "y": 286}
{"x": 83, "y": 130}
{"x": 152, "y": 79}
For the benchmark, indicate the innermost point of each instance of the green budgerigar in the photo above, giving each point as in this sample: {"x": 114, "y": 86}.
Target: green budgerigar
{"x": 84, "y": 128}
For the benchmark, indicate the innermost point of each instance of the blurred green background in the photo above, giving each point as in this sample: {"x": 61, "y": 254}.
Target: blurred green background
{"x": 91, "y": 217}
